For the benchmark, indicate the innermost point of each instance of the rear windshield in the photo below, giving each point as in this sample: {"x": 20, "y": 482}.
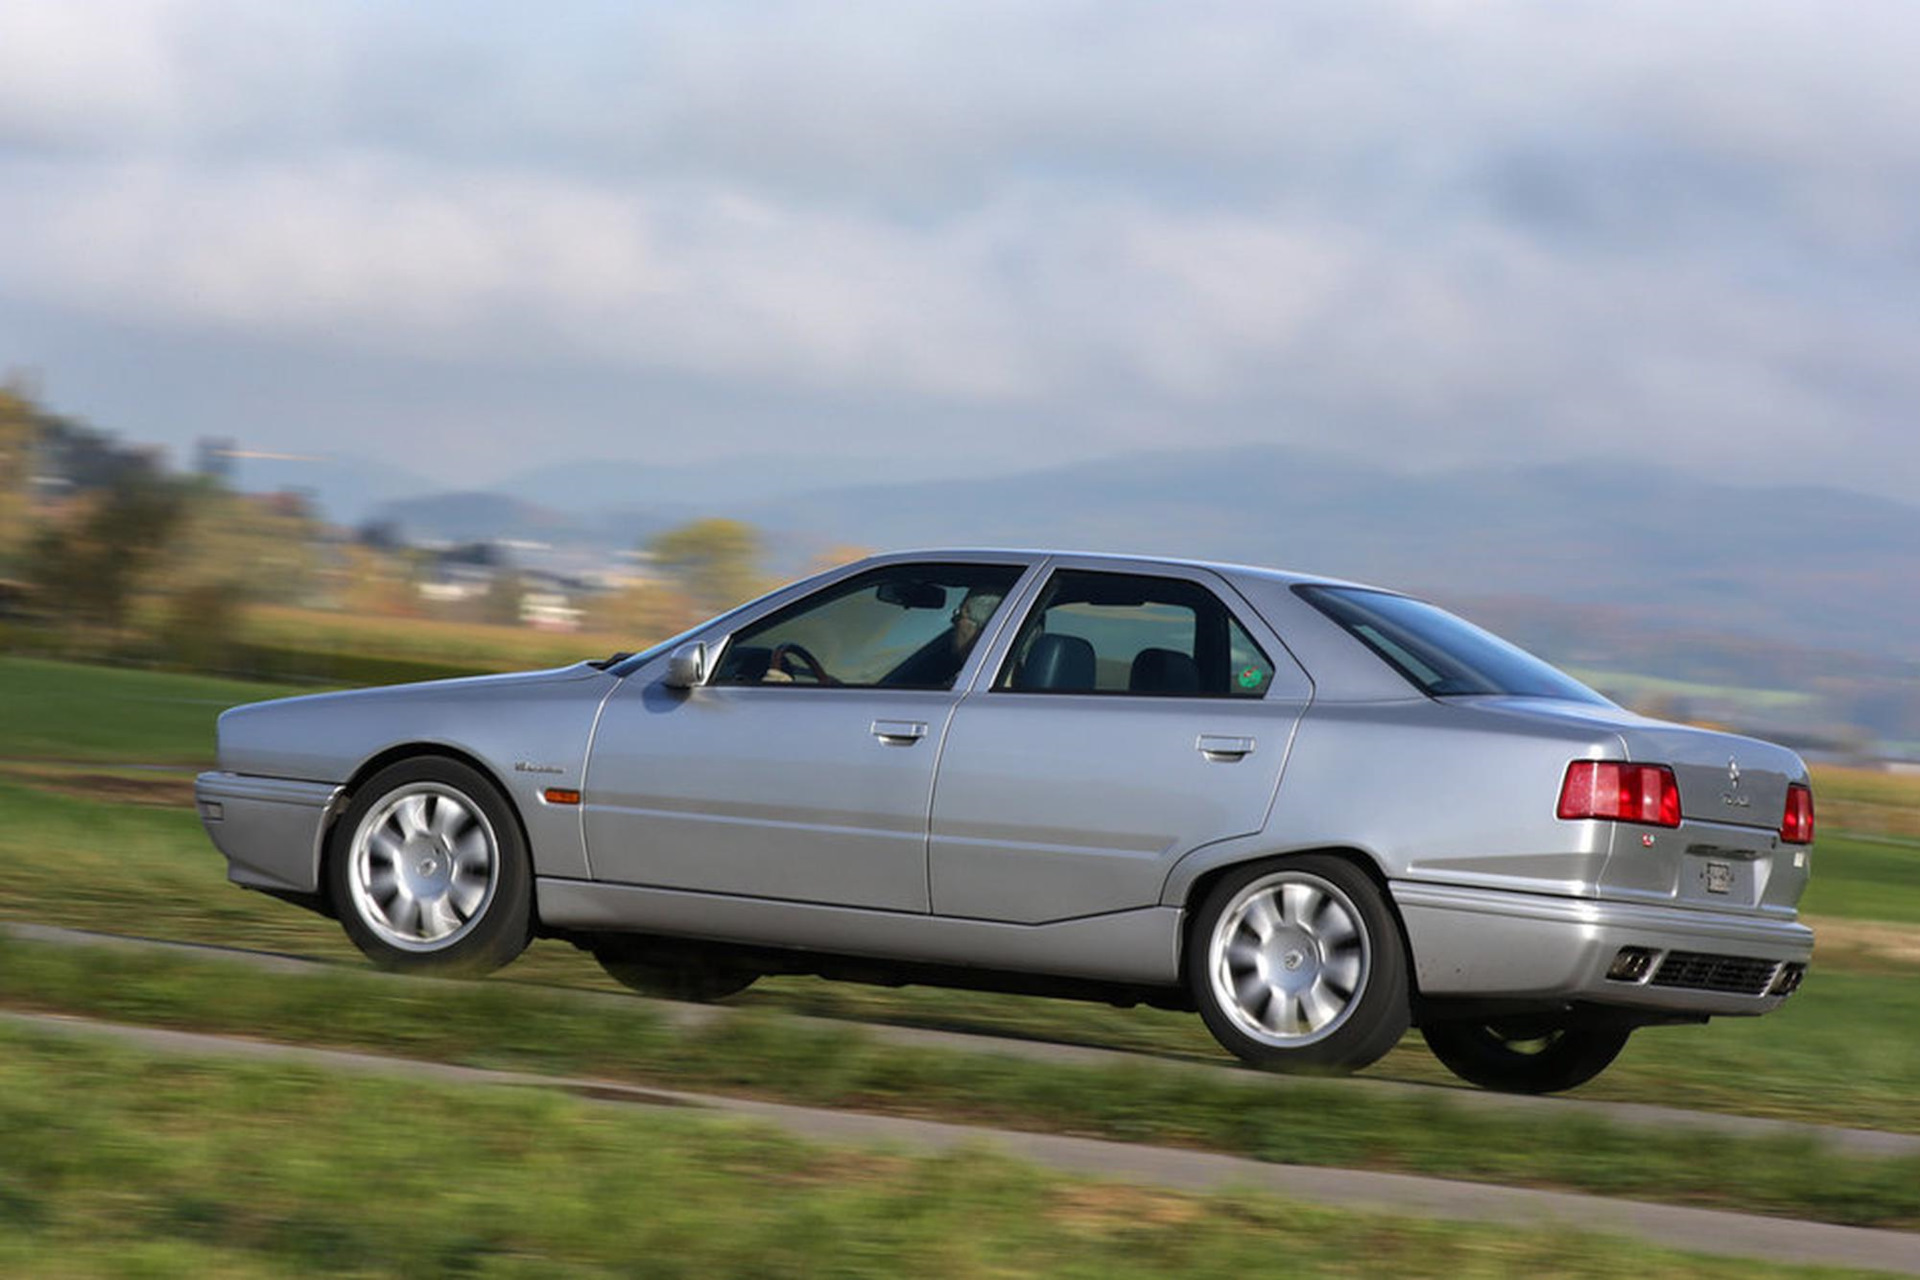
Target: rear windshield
{"x": 1441, "y": 654}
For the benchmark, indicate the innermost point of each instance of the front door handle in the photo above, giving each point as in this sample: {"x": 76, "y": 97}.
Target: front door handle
{"x": 1224, "y": 749}
{"x": 899, "y": 733}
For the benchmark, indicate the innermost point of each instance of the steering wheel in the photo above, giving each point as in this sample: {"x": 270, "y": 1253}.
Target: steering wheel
{"x": 782, "y": 652}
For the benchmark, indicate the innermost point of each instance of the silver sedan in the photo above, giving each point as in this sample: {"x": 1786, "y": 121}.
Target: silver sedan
{"x": 1315, "y": 812}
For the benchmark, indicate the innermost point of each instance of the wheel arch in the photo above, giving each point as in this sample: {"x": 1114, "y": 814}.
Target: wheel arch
{"x": 396, "y": 755}
{"x": 1202, "y": 883}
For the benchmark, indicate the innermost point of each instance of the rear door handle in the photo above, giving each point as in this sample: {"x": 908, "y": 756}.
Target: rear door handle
{"x": 899, "y": 733}
{"x": 1224, "y": 749}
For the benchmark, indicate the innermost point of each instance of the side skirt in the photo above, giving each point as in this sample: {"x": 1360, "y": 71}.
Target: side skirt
{"x": 1133, "y": 948}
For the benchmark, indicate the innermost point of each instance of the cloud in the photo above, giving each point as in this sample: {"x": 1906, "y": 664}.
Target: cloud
{"x": 1447, "y": 230}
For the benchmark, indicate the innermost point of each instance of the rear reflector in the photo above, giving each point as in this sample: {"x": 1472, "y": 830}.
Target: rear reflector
{"x": 1796, "y": 825}
{"x": 560, "y": 795}
{"x": 1645, "y": 793}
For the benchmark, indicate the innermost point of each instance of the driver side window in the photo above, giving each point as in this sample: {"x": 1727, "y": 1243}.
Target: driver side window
{"x": 899, "y": 627}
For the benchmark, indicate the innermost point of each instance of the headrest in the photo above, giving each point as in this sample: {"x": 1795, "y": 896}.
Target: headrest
{"x": 1057, "y": 662}
{"x": 1163, "y": 671}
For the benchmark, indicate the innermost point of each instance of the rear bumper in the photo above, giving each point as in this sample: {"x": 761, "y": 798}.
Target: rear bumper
{"x": 268, "y": 828}
{"x": 1488, "y": 944}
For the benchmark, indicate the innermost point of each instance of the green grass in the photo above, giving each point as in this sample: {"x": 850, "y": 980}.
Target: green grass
{"x": 120, "y": 1163}
{"x": 1846, "y": 1050}
{"x": 1294, "y": 1121}
{"x": 1865, "y": 878}
{"x": 66, "y": 711}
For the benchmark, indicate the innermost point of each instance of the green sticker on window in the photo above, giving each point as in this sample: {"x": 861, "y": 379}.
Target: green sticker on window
{"x": 1252, "y": 677}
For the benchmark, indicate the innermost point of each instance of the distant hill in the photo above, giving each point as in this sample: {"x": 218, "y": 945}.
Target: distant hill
{"x": 477, "y": 517}
{"x": 1819, "y": 568}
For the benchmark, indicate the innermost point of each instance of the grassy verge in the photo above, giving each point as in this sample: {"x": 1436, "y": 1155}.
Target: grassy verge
{"x": 1840, "y": 1052}
{"x": 477, "y": 646}
{"x": 1865, "y": 878}
{"x": 1300, "y": 1122}
{"x": 121, "y": 1164}
{"x": 66, "y": 711}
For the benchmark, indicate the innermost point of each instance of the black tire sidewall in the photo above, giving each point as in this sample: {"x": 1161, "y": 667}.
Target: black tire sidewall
{"x": 1372, "y": 1028}
{"x": 506, "y": 924}
{"x": 1471, "y": 1051}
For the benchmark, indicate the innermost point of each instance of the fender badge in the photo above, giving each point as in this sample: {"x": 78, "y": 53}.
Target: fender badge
{"x": 527, "y": 766}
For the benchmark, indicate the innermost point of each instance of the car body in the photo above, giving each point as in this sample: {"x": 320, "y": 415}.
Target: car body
{"x": 1039, "y": 770}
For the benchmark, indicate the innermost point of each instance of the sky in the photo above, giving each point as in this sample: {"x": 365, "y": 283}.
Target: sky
{"x": 464, "y": 240}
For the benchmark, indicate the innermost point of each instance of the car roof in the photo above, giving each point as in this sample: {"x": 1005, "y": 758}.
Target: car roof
{"x": 1226, "y": 569}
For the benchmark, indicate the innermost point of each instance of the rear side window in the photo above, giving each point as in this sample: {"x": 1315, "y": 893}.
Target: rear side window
{"x": 1093, "y": 632}
{"x": 1440, "y": 653}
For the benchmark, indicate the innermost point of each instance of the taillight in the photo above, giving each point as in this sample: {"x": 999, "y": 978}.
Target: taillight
{"x": 1645, "y": 793}
{"x": 1796, "y": 825}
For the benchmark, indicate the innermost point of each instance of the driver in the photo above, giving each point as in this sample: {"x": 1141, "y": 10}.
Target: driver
{"x": 968, "y": 619}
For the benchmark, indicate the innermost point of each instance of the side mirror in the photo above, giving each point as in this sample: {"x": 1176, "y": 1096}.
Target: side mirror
{"x": 687, "y": 666}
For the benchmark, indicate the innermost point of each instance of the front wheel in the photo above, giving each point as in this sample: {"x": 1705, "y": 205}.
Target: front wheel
{"x": 429, "y": 872}
{"x": 1297, "y": 965}
{"x": 1524, "y": 1057}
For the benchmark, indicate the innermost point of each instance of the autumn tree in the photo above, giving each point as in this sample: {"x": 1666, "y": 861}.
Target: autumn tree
{"x": 715, "y": 561}
{"x": 86, "y": 567}
{"x": 16, "y": 477}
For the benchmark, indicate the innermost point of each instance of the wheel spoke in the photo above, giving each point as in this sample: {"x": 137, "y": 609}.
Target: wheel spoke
{"x": 466, "y": 896}
{"x": 1261, "y": 916}
{"x": 403, "y": 913}
{"x": 382, "y": 883}
{"x": 411, "y": 815}
{"x": 1242, "y": 956}
{"x": 1336, "y": 929}
{"x": 1342, "y": 972}
{"x": 472, "y": 854}
{"x": 1320, "y": 1005}
{"x": 449, "y": 816}
{"x": 1252, "y": 993}
{"x": 1299, "y": 903}
{"x": 437, "y": 918}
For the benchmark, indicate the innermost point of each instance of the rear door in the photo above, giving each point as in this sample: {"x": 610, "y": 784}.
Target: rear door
{"x": 1137, "y": 712}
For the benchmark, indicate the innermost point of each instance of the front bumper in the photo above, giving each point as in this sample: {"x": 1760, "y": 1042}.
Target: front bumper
{"x": 270, "y": 829}
{"x": 1488, "y": 944}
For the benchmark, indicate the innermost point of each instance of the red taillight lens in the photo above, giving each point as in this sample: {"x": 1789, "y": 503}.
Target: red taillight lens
{"x": 1645, "y": 793}
{"x": 1796, "y": 825}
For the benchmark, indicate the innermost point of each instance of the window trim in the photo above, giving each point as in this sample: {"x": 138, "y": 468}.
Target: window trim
{"x": 963, "y": 678}
{"x": 1054, "y": 567}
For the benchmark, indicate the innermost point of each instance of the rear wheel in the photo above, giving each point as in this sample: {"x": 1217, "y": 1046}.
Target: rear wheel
{"x": 1524, "y": 1056}
{"x": 428, "y": 870}
{"x": 1297, "y": 965}
{"x": 671, "y": 974}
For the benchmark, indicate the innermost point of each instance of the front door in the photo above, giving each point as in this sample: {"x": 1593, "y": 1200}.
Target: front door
{"x": 1133, "y": 718}
{"x": 803, "y": 769}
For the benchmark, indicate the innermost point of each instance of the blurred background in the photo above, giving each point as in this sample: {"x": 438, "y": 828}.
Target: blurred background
{"x": 1593, "y": 321}
{"x": 348, "y": 343}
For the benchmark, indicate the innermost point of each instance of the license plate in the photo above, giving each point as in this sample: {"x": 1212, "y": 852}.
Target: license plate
{"x": 1719, "y": 877}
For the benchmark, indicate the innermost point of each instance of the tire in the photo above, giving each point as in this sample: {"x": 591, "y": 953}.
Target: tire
{"x": 669, "y": 973}
{"x": 1323, "y": 989}
{"x": 1521, "y": 1058}
{"x": 428, "y": 870}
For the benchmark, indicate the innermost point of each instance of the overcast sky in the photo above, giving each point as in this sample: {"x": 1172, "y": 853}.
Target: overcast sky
{"x": 468, "y": 238}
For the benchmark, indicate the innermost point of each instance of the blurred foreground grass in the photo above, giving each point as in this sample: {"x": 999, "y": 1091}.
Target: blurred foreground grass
{"x": 1845, "y": 1051}
{"x": 120, "y": 1163}
{"x": 1295, "y": 1121}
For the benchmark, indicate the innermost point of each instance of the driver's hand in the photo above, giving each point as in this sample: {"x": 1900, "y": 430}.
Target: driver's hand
{"x": 776, "y": 676}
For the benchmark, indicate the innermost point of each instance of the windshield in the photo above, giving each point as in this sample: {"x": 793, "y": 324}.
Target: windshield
{"x": 1441, "y": 654}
